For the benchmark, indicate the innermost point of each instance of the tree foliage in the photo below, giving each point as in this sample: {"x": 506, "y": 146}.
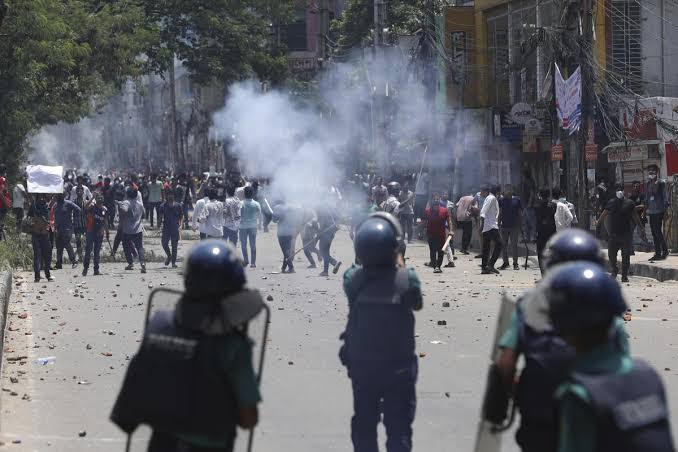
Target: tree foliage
{"x": 404, "y": 17}
{"x": 222, "y": 40}
{"x": 60, "y": 57}
{"x": 63, "y": 57}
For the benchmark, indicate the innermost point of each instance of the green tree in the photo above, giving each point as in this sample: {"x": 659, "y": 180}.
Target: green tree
{"x": 404, "y": 17}
{"x": 62, "y": 57}
{"x": 222, "y": 40}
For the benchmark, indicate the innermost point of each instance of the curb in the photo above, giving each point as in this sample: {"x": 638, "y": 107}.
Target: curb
{"x": 5, "y": 292}
{"x": 653, "y": 271}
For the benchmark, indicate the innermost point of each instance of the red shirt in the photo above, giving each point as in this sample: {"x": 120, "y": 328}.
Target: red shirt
{"x": 436, "y": 218}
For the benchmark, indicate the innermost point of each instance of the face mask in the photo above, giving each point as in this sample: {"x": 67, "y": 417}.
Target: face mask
{"x": 620, "y": 195}
{"x": 652, "y": 176}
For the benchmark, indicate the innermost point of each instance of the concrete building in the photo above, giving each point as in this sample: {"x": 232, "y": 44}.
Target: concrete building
{"x": 493, "y": 72}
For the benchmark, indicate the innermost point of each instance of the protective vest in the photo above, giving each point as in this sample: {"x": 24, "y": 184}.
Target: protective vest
{"x": 631, "y": 410}
{"x": 547, "y": 361}
{"x": 380, "y": 320}
{"x": 174, "y": 385}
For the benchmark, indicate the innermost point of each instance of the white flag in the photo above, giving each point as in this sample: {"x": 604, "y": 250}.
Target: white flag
{"x": 45, "y": 179}
{"x": 568, "y": 100}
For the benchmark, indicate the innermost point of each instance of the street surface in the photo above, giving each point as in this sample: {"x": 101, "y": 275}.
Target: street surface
{"x": 92, "y": 325}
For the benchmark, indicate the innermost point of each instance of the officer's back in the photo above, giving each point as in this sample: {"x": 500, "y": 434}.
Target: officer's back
{"x": 379, "y": 349}
{"x": 193, "y": 380}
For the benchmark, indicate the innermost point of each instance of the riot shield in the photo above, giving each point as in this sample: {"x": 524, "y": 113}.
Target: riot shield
{"x": 488, "y": 437}
{"x": 257, "y": 330}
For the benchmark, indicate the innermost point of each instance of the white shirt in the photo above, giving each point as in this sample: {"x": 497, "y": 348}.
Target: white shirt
{"x": 198, "y": 212}
{"x": 392, "y": 205}
{"x": 19, "y": 196}
{"x": 213, "y": 215}
{"x": 563, "y": 216}
{"x": 490, "y": 213}
{"x": 86, "y": 193}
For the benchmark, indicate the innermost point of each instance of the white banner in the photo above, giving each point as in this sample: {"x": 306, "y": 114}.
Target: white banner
{"x": 45, "y": 179}
{"x": 568, "y": 100}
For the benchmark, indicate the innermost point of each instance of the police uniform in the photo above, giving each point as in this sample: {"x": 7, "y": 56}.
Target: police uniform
{"x": 379, "y": 353}
{"x": 193, "y": 375}
{"x": 609, "y": 402}
{"x": 613, "y": 403}
{"x": 547, "y": 360}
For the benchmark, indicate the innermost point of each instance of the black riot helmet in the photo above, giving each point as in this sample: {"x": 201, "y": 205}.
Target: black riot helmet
{"x": 393, "y": 188}
{"x": 572, "y": 244}
{"x": 378, "y": 240}
{"x": 213, "y": 270}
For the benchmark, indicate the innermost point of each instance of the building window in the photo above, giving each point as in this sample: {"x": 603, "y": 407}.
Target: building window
{"x": 498, "y": 42}
{"x": 626, "y": 62}
{"x": 297, "y": 36}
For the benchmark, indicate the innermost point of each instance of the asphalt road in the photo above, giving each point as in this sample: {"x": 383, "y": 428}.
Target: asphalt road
{"x": 91, "y": 326}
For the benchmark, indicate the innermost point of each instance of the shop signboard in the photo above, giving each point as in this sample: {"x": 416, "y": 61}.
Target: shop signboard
{"x": 557, "y": 152}
{"x": 591, "y": 150}
{"x": 627, "y": 154}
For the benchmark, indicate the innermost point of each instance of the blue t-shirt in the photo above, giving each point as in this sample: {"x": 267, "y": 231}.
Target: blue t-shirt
{"x": 250, "y": 212}
{"x": 171, "y": 215}
{"x": 510, "y": 210}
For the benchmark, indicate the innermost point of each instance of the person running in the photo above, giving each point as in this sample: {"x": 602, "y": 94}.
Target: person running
{"x": 18, "y": 203}
{"x": 510, "y": 221}
{"x": 309, "y": 237}
{"x": 198, "y": 214}
{"x": 96, "y": 228}
{"x": 285, "y": 216}
{"x": 212, "y": 216}
{"x": 489, "y": 216}
{"x": 232, "y": 215}
{"x": 250, "y": 217}
{"x": 327, "y": 227}
{"x": 133, "y": 238}
{"x": 656, "y": 203}
{"x": 436, "y": 216}
{"x": 406, "y": 211}
{"x": 379, "y": 192}
{"x": 64, "y": 211}
{"x": 171, "y": 216}
{"x": 80, "y": 219}
{"x": 40, "y": 229}
{"x": 623, "y": 218}
{"x": 449, "y": 249}
{"x": 545, "y": 212}
{"x": 465, "y": 214}
{"x": 154, "y": 199}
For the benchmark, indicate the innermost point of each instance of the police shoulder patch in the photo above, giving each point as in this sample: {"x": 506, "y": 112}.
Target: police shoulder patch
{"x": 639, "y": 412}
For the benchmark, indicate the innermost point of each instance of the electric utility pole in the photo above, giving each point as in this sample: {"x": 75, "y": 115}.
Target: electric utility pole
{"x": 587, "y": 131}
{"x": 380, "y": 89}
{"x": 324, "y": 29}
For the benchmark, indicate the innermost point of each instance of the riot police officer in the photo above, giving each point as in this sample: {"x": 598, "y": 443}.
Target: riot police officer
{"x": 610, "y": 402}
{"x": 193, "y": 380}
{"x": 379, "y": 348}
{"x": 547, "y": 356}
{"x": 392, "y": 204}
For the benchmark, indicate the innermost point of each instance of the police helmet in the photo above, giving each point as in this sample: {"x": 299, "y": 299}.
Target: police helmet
{"x": 581, "y": 296}
{"x": 393, "y": 188}
{"x": 377, "y": 240}
{"x": 572, "y": 244}
{"x": 213, "y": 269}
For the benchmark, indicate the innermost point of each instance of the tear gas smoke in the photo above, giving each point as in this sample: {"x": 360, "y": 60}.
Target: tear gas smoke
{"x": 306, "y": 148}
{"x": 76, "y": 145}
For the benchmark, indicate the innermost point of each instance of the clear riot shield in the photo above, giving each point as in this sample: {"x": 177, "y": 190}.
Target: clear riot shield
{"x": 257, "y": 330}
{"x": 489, "y": 433}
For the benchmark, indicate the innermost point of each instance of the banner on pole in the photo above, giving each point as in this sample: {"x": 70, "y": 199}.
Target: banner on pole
{"x": 45, "y": 179}
{"x": 568, "y": 100}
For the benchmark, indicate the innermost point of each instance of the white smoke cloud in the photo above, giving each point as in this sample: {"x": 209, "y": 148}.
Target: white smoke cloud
{"x": 303, "y": 150}
{"x": 72, "y": 145}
